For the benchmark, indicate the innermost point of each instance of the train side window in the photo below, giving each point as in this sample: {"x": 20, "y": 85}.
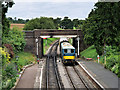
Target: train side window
{"x": 72, "y": 50}
{"x": 65, "y": 50}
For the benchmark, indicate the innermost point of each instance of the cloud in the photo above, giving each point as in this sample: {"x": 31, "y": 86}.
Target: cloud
{"x": 50, "y": 9}
{"x": 55, "y": 0}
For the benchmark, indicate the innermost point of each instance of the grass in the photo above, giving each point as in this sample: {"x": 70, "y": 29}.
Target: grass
{"x": 90, "y": 52}
{"x": 25, "y": 58}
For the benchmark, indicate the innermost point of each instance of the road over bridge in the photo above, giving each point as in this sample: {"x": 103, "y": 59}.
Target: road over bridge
{"x": 34, "y": 39}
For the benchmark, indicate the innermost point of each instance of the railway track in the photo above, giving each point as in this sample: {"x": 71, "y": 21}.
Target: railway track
{"x": 52, "y": 75}
{"x": 80, "y": 79}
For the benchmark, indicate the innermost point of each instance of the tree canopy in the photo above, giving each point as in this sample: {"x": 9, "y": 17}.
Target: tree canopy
{"x": 51, "y": 23}
{"x": 19, "y": 20}
{"x": 102, "y": 26}
{"x": 40, "y": 23}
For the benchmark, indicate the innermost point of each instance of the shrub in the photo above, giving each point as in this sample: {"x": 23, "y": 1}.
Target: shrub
{"x": 11, "y": 70}
{"x": 110, "y": 63}
{"x": 113, "y": 62}
{"x": 16, "y": 39}
{"x": 9, "y": 74}
{"x": 5, "y": 56}
{"x": 10, "y": 49}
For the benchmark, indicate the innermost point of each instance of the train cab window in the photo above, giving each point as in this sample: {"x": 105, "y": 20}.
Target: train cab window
{"x": 69, "y": 51}
{"x": 72, "y": 50}
{"x": 65, "y": 50}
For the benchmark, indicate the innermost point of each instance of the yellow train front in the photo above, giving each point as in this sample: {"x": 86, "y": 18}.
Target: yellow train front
{"x": 67, "y": 53}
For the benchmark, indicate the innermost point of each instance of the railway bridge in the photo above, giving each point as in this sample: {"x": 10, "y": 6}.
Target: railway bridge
{"x": 34, "y": 39}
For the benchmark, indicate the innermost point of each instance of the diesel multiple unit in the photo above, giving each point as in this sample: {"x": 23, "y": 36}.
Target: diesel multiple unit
{"x": 67, "y": 51}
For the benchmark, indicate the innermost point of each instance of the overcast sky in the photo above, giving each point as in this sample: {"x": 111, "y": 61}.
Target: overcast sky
{"x": 27, "y": 9}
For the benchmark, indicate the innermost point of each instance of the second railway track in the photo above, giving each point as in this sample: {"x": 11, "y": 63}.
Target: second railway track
{"x": 52, "y": 75}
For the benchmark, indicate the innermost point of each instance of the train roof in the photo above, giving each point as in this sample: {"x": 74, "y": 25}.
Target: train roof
{"x": 63, "y": 39}
{"x": 66, "y": 45}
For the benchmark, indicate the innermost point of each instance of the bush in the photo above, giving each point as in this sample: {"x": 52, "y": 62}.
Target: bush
{"x": 5, "y": 56}
{"x": 16, "y": 39}
{"x": 10, "y": 49}
{"x": 9, "y": 74}
{"x": 112, "y": 62}
{"x": 11, "y": 70}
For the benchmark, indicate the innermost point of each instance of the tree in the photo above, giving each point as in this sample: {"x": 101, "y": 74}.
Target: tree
{"x": 19, "y": 20}
{"x": 27, "y": 20}
{"x": 57, "y": 22}
{"x": 75, "y": 22}
{"x": 66, "y": 23}
{"x": 102, "y": 26}
{"x": 5, "y": 22}
{"x": 78, "y": 23}
{"x": 40, "y": 23}
{"x": 10, "y": 19}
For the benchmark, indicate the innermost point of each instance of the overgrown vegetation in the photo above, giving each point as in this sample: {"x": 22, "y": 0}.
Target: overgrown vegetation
{"x": 12, "y": 59}
{"x": 11, "y": 67}
{"x": 113, "y": 62}
{"x": 15, "y": 37}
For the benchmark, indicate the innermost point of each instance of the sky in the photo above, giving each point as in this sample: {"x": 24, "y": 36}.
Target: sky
{"x": 28, "y": 9}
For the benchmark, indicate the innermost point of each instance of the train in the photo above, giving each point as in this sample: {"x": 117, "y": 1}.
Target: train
{"x": 67, "y": 51}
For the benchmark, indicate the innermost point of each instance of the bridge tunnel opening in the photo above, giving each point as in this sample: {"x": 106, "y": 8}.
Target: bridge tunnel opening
{"x": 48, "y": 41}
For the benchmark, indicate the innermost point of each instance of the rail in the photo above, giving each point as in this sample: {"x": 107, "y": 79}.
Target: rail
{"x": 53, "y": 55}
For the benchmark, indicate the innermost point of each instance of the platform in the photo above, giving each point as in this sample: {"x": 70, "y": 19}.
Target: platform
{"x": 104, "y": 76}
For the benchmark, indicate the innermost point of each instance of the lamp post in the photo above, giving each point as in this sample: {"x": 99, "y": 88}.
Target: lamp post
{"x": 78, "y": 45}
{"x": 37, "y": 46}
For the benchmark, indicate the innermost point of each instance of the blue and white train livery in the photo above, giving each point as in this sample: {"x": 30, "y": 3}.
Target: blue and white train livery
{"x": 67, "y": 51}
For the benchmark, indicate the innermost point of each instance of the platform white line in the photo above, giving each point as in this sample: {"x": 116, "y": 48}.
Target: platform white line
{"x": 37, "y": 78}
{"x": 41, "y": 78}
{"x": 91, "y": 76}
